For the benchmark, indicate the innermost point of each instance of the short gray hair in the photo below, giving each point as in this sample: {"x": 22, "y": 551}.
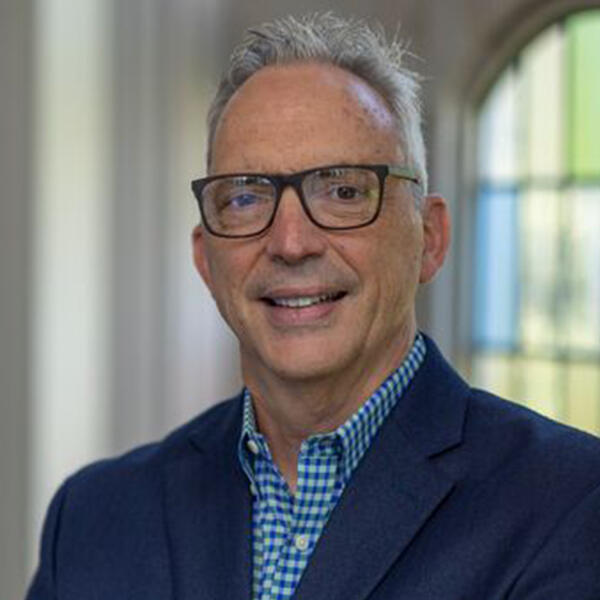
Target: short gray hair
{"x": 350, "y": 44}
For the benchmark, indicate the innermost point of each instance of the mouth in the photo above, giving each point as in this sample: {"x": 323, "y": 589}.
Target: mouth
{"x": 292, "y": 309}
{"x": 303, "y": 301}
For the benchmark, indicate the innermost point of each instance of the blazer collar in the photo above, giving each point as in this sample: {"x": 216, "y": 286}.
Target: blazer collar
{"x": 433, "y": 410}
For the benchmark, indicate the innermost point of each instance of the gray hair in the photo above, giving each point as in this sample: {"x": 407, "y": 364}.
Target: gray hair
{"x": 350, "y": 44}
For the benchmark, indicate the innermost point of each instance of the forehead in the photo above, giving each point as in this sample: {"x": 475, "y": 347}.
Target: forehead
{"x": 291, "y": 117}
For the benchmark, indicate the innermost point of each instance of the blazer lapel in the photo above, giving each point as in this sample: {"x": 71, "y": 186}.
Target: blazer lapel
{"x": 394, "y": 490}
{"x": 208, "y": 514}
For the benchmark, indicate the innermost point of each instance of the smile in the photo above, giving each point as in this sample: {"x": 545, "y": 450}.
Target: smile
{"x": 304, "y": 301}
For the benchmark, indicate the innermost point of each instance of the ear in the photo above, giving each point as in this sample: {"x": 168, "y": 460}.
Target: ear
{"x": 436, "y": 236}
{"x": 200, "y": 257}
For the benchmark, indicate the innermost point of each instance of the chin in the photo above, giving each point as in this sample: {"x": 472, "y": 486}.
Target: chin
{"x": 305, "y": 362}
{"x": 302, "y": 373}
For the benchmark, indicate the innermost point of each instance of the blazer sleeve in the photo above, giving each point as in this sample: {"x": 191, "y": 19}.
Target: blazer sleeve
{"x": 43, "y": 584}
{"x": 567, "y": 567}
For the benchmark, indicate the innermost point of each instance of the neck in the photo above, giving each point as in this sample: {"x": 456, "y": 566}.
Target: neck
{"x": 290, "y": 411}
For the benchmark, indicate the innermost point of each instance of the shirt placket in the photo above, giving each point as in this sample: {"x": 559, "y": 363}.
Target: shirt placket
{"x": 274, "y": 519}
{"x": 316, "y": 483}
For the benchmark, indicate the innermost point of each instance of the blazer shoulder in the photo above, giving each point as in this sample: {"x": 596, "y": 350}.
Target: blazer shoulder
{"x": 143, "y": 464}
{"x": 523, "y": 437}
{"x": 546, "y": 475}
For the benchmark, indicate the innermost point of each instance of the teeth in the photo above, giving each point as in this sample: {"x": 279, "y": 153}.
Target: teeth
{"x": 302, "y": 301}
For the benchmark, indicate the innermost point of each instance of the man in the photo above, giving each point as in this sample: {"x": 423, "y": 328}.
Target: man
{"x": 355, "y": 463}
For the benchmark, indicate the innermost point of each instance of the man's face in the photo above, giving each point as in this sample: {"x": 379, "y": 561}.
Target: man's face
{"x": 286, "y": 119}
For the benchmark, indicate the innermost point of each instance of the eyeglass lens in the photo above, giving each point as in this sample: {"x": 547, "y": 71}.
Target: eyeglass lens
{"x": 335, "y": 198}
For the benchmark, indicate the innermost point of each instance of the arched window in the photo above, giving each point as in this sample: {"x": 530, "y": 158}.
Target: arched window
{"x": 536, "y": 288}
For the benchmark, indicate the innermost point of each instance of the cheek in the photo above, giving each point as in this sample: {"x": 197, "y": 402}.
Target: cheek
{"x": 230, "y": 268}
{"x": 401, "y": 264}
{"x": 225, "y": 277}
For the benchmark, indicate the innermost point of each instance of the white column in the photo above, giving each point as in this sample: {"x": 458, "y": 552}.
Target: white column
{"x": 70, "y": 240}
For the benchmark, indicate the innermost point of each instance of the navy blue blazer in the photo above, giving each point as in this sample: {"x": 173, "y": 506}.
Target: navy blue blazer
{"x": 461, "y": 496}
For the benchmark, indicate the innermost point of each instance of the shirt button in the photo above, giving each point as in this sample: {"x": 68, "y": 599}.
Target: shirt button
{"x": 253, "y": 490}
{"x": 252, "y": 446}
{"x": 301, "y": 542}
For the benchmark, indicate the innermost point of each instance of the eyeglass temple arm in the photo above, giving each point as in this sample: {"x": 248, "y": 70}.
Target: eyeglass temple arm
{"x": 404, "y": 173}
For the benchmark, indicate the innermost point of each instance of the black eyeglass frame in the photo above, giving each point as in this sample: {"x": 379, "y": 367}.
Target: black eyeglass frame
{"x": 295, "y": 180}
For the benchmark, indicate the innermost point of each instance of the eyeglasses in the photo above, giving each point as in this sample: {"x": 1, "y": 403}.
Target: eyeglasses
{"x": 334, "y": 197}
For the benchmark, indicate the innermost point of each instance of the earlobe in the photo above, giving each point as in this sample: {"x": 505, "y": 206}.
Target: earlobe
{"x": 200, "y": 258}
{"x": 436, "y": 236}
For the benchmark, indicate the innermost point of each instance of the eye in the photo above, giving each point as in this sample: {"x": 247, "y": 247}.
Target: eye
{"x": 241, "y": 194}
{"x": 345, "y": 192}
{"x": 242, "y": 200}
{"x": 342, "y": 185}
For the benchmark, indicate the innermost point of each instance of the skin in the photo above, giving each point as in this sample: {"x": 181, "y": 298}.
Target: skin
{"x": 308, "y": 374}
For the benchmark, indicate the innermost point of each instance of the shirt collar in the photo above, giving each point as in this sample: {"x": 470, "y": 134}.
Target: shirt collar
{"x": 351, "y": 439}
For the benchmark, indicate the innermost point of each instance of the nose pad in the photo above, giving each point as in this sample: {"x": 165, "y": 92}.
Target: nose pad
{"x": 293, "y": 236}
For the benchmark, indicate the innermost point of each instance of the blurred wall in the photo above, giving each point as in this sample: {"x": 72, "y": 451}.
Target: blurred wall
{"x": 156, "y": 351}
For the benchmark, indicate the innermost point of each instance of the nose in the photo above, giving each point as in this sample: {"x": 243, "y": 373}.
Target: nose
{"x": 293, "y": 237}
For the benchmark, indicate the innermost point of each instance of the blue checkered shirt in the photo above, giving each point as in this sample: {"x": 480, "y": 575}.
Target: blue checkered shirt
{"x": 286, "y": 527}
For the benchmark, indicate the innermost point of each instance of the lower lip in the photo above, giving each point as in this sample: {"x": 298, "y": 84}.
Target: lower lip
{"x": 309, "y": 315}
